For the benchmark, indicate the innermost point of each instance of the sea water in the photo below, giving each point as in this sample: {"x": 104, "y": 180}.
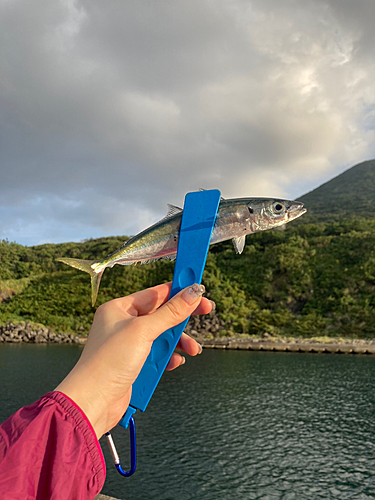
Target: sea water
{"x": 232, "y": 424}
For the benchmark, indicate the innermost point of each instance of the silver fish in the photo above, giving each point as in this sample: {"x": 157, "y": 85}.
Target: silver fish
{"x": 235, "y": 219}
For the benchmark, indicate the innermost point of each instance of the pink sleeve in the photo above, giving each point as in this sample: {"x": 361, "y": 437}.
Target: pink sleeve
{"x": 49, "y": 450}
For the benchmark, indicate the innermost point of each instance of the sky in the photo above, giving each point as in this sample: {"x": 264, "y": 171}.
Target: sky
{"x": 110, "y": 110}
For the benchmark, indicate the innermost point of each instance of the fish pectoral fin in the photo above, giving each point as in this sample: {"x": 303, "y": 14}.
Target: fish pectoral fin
{"x": 239, "y": 243}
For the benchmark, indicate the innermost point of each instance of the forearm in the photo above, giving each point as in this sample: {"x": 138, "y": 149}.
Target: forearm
{"x": 82, "y": 385}
{"x": 49, "y": 450}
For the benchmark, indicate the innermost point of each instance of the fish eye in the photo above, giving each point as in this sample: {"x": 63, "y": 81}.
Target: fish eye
{"x": 278, "y": 207}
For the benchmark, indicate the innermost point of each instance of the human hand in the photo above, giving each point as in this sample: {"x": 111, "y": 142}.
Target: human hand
{"x": 119, "y": 342}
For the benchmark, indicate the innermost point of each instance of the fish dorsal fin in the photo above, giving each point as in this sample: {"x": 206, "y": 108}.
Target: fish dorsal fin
{"x": 173, "y": 210}
{"x": 239, "y": 243}
{"x": 202, "y": 189}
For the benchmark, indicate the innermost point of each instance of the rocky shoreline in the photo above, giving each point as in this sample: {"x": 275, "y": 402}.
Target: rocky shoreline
{"x": 198, "y": 326}
{"x": 198, "y": 329}
{"x": 26, "y": 332}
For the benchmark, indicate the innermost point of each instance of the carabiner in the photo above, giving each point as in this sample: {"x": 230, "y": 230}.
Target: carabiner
{"x": 133, "y": 451}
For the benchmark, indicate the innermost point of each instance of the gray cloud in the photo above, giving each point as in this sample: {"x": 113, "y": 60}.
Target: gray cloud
{"x": 109, "y": 110}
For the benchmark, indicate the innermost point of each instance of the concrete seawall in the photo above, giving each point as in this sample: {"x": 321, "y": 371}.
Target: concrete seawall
{"x": 309, "y": 347}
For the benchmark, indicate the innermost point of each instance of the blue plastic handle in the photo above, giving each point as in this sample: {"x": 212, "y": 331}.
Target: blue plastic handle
{"x": 198, "y": 220}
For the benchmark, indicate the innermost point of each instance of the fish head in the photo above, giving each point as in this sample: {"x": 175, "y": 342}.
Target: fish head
{"x": 269, "y": 213}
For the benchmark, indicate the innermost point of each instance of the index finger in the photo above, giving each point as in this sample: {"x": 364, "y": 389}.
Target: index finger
{"x": 145, "y": 301}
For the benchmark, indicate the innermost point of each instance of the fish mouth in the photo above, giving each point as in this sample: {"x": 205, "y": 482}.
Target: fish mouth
{"x": 296, "y": 210}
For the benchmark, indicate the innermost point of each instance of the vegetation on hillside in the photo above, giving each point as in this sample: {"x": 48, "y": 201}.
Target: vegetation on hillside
{"x": 308, "y": 280}
{"x": 349, "y": 195}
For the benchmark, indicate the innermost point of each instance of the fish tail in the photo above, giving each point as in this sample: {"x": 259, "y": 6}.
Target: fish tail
{"x": 92, "y": 267}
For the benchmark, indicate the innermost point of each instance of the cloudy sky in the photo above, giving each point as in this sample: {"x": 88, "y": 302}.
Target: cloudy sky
{"x": 110, "y": 110}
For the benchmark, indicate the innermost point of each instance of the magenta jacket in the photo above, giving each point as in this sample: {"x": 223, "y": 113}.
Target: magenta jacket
{"x": 49, "y": 450}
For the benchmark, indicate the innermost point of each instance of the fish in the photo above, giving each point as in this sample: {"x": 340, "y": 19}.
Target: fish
{"x": 235, "y": 219}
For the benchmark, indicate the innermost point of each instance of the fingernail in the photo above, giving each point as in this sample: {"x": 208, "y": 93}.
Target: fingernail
{"x": 200, "y": 349}
{"x": 213, "y": 305}
{"x": 183, "y": 361}
{"x": 192, "y": 293}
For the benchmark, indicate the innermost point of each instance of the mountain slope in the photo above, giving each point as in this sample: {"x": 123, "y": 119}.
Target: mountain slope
{"x": 311, "y": 280}
{"x": 349, "y": 194}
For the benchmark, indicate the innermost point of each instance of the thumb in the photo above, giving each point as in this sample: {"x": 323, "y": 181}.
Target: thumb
{"x": 176, "y": 310}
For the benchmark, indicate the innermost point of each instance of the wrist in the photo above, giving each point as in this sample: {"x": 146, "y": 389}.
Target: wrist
{"x": 85, "y": 399}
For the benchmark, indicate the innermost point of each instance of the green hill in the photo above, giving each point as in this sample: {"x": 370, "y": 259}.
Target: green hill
{"x": 350, "y": 194}
{"x": 309, "y": 280}
{"x": 312, "y": 279}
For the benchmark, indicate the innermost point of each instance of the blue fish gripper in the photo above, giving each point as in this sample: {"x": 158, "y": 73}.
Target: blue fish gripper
{"x": 197, "y": 223}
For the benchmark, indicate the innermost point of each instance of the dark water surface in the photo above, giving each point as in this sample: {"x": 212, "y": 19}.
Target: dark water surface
{"x": 232, "y": 425}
